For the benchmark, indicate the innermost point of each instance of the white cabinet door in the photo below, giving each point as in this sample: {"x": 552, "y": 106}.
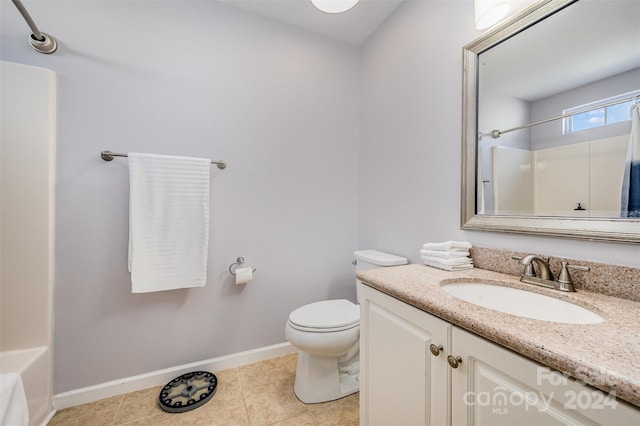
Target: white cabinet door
{"x": 402, "y": 383}
{"x": 494, "y": 386}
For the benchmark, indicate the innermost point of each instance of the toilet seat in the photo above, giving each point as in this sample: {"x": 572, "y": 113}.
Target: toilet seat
{"x": 326, "y": 316}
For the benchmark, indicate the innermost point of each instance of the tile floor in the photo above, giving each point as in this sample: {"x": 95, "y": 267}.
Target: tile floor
{"x": 253, "y": 394}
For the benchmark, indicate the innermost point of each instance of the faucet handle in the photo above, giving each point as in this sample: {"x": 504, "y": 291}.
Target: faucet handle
{"x": 564, "y": 277}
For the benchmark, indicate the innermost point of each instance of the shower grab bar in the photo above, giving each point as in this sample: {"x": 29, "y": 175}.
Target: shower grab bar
{"x": 108, "y": 156}
{"x": 42, "y": 42}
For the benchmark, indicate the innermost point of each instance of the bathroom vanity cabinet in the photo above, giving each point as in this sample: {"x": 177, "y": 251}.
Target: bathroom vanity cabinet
{"x": 407, "y": 379}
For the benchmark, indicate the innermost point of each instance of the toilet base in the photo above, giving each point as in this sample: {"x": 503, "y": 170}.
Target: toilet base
{"x": 322, "y": 379}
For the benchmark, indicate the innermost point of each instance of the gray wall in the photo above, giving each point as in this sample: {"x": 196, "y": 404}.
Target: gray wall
{"x": 201, "y": 79}
{"x": 410, "y": 140}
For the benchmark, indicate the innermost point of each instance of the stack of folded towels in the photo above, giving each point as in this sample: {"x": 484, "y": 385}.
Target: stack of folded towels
{"x": 447, "y": 255}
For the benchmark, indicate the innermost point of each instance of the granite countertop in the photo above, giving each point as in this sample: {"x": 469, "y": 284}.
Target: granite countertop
{"x": 604, "y": 355}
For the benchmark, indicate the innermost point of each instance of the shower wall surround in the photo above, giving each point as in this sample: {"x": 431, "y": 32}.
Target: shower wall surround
{"x": 330, "y": 148}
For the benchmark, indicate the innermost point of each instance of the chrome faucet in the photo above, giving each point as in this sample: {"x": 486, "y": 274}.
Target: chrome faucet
{"x": 542, "y": 264}
{"x": 544, "y": 276}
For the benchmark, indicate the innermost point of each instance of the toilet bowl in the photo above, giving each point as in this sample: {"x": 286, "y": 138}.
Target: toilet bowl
{"x": 327, "y": 335}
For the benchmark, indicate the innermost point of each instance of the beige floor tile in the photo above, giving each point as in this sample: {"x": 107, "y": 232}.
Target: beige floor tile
{"x": 228, "y": 385}
{"x": 227, "y": 410}
{"x": 272, "y": 402}
{"x": 256, "y": 394}
{"x": 138, "y": 405}
{"x": 290, "y": 362}
{"x": 164, "y": 419}
{"x": 99, "y": 413}
{"x": 305, "y": 419}
{"x": 264, "y": 372}
{"x": 343, "y": 412}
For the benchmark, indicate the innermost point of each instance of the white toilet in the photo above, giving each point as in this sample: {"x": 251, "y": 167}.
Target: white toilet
{"x": 327, "y": 334}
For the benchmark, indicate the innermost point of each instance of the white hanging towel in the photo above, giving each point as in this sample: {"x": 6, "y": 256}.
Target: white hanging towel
{"x": 168, "y": 221}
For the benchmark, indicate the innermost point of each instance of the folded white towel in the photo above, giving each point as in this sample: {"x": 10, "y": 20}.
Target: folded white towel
{"x": 168, "y": 222}
{"x": 455, "y": 261}
{"x": 448, "y": 267}
{"x": 448, "y": 245}
{"x": 13, "y": 401}
{"x": 446, "y": 254}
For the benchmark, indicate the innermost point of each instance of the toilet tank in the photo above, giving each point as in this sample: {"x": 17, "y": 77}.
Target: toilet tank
{"x": 371, "y": 259}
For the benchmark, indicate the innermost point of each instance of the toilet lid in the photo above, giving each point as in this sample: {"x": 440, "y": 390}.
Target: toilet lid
{"x": 326, "y": 314}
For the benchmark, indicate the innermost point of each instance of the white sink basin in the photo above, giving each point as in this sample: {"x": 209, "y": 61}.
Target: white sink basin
{"x": 521, "y": 303}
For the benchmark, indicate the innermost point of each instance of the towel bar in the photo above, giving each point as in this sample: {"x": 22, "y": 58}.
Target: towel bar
{"x": 108, "y": 156}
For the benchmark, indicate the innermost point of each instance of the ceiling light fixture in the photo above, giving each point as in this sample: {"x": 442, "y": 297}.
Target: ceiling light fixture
{"x": 334, "y": 6}
{"x": 490, "y": 12}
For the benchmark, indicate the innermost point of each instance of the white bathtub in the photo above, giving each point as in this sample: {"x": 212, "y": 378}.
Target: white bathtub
{"x": 33, "y": 366}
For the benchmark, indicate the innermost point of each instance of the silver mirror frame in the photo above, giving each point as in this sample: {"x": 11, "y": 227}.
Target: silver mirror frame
{"x": 599, "y": 229}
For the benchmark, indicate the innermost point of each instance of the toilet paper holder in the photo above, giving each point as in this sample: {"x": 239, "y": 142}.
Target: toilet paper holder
{"x": 238, "y": 261}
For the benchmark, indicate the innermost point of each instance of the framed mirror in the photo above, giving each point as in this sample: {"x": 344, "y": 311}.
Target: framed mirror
{"x": 548, "y": 99}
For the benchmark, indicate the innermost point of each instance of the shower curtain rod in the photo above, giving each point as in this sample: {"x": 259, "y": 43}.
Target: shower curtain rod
{"x": 497, "y": 133}
{"x": 42, "y": 42}
{"x": 108, "y": 156}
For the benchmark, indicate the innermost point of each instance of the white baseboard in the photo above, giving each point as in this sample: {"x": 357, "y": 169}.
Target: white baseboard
{"x": 47, "y": 419}
{"x": 162, "y": 377}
